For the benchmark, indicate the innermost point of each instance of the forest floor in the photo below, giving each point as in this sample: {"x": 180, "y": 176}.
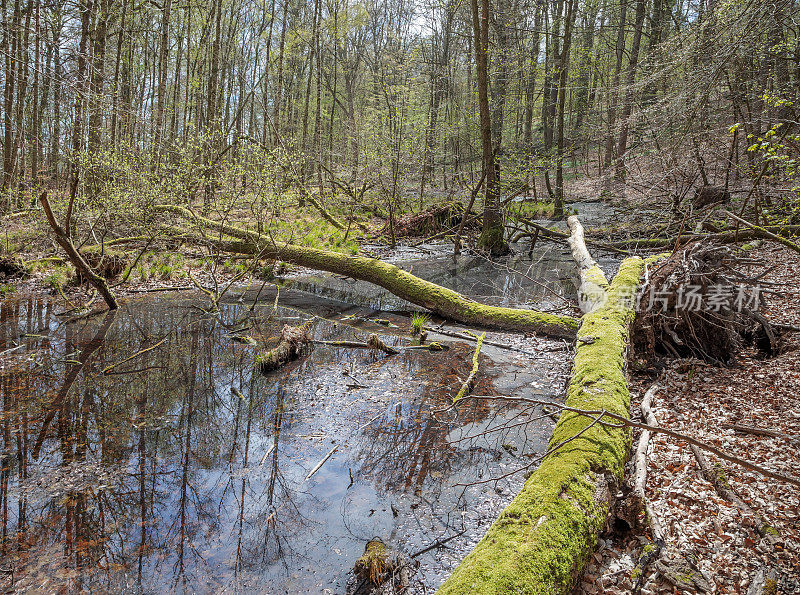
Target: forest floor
{"x": 702, "y": 528}
{"x": 707, "y": 531}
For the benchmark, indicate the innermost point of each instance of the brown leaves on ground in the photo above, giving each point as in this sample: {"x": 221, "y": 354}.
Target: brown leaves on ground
{"x": 704, "y": 530}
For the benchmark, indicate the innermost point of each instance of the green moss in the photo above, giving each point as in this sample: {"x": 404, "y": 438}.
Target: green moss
{"x": 770, "y": 587}
{"x": 685, "y": 577}
{"x": 542, "y": 539}
{"x": 492, "y": 240}
{"x": 721, "y": 475}
{"x": 769, "y": 530}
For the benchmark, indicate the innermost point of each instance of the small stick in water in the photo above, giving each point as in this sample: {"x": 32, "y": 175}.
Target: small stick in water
{"x": 321, "y": 463}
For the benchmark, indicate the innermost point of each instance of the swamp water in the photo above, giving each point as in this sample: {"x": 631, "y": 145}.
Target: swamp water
{"x": 184, "y": 469}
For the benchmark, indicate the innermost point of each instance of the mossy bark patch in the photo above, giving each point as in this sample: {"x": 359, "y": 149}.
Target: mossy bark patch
{"x": 541, "y": 541}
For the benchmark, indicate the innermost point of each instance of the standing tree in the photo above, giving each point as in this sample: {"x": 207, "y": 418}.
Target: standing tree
{"x": 492, "y": 236}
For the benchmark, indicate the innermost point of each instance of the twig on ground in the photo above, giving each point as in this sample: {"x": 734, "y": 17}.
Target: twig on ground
{"x": 437, "y": 543}
{"x": 321, "y": 463}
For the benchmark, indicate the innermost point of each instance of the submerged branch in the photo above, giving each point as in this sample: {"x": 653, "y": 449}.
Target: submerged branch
{"x": 467, "y": 386}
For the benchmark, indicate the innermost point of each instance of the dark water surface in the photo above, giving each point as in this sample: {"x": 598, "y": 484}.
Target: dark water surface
{"x": 141, "y": 452}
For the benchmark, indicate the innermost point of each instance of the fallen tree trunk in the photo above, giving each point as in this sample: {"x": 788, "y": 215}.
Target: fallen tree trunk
{"x": 722, "y": 237}
{"x": 76, "y": 258}
{"x": 765, "y": 232}
{"x": 542, "y": 540}
{"x": 373, "y": 342}
{"x": 651, "y": 551}
{"x": 593, "y": 285}
{"x": 440, "y": 300}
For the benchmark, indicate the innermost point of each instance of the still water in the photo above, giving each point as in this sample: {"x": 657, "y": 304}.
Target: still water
{"x": 142, "y": 452}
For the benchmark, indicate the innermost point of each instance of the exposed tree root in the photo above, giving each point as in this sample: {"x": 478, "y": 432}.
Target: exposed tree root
{"x": 699, "y": 305}
{"x": 291, "y": 345}
{"x": 403, "y": 284}
{"x": 11, "y": 267}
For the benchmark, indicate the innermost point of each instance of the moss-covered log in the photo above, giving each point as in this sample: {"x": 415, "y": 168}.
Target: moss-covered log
{"x": 542, "y": 540}
{"x": 403, "y": 284}
{"x": 594, "y": 285}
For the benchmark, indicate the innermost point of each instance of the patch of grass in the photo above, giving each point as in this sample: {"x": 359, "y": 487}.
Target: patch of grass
{"x": 162, "y": 266}
{"x": 418, "y": 322}
{"x": 530, "y": 209}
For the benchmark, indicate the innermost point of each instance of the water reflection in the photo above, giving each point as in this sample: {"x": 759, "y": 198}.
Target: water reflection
{"x": 140, "y": 451}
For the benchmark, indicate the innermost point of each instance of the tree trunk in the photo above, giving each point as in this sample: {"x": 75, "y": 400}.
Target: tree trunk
{"x": 162, "y": 79}
{"x": 87, "y": 10}
{"x": 631, "y": 78}
{"x": 530, "y": 87}
{"x": 276, "y": 114}
{"x": 404, "y": 285}
{"x": 614, "y": 90}
{"x": 491, "y": 237}
{"x": 96, "y": 86}
{"x": 542, "y": 540}
{"x": 558, "y": 210}
{"x": 213, "y": 124}
{"x": 10, "y": 42}
{"x": 55, "y": 141}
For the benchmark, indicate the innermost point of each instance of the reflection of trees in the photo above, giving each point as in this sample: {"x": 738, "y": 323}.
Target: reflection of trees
{"x": 409, "y": 443}
{"x": 160, "y": 423}
{"x": 264, "y": 538}
{"x": 170, "y": 481}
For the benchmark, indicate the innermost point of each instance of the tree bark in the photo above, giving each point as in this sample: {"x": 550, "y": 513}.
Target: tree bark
{"x": 491, "y": 237}
{"x": 87, "y": 10}
{"x": 162, "y": 78}
{"x": 75, "y": 257}
{"x": 612, "y": 104}
{"x": 558, "y": 210}
{"x": 631, "y": 78}
{"x": 293, "y": 342}
{"x": 593, "y": 284}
